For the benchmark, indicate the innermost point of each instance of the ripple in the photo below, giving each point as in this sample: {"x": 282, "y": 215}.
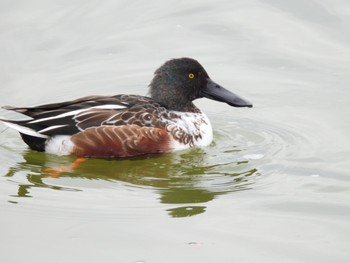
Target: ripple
{"x": 269, "y": 147}
{"x": 242, "y": 156}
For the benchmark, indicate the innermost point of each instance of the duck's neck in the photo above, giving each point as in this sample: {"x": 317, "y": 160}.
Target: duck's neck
{"x": 190, "y": 107}
{"x": 172, "y": 104}
{"x": 172, "y": 99}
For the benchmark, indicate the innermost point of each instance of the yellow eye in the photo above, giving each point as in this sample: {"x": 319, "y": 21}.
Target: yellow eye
{"x": 191, "y": 75}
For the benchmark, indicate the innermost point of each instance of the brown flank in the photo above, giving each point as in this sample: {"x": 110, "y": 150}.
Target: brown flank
{"x": 120, "y": 141}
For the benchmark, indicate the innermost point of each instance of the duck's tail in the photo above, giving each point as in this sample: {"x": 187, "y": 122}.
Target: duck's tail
{"x": 32, "y": 138}
{"x": 21, "y": 127}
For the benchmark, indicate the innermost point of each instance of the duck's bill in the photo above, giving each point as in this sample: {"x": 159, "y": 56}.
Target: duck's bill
{"x": 216, "y": 92}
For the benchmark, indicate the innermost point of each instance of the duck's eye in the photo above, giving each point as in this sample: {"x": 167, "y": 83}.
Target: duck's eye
{"x": 190, "y": 76}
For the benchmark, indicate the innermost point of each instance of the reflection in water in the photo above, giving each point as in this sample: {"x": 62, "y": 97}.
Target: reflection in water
{"x": 186, "y": 211}
{"x": 185, "y": 178}
{"x": 33, "y": 164}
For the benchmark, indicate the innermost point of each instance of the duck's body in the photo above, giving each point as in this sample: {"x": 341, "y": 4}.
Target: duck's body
{"x": 115, "y": 126}
{"x": 128, "y": 125}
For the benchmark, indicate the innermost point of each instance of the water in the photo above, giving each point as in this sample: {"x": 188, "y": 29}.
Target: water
{"x": 274, "y": 186}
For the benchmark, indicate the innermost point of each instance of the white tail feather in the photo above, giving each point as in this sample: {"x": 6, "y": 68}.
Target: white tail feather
{"x": 23, "y": 129}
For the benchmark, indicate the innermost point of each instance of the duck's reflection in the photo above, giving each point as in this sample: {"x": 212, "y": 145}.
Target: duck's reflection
{"x": 186, "y": 180}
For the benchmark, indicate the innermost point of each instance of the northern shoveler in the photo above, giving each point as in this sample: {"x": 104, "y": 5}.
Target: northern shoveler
{"x": 129, "y": 125}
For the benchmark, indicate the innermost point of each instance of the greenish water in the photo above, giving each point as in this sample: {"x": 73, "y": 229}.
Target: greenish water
{"x": 186, "y": 180}
{"x": 274, "y": 186}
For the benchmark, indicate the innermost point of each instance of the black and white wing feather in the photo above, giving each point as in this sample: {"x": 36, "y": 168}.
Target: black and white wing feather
{"x": 71, "y": 117}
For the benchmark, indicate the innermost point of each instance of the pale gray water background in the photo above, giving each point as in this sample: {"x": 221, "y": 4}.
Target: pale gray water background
{"x": 273, "y": 187}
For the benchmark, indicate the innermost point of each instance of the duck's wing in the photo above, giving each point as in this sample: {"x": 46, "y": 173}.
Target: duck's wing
{"x": 74, "y": 106}
{"x": 68, "y": 118}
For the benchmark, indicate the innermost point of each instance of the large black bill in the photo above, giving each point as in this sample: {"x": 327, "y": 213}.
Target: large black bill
{"x": 216, "y": 92}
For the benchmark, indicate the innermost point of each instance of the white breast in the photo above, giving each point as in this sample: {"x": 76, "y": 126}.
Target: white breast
{"x": 192, "y": 124}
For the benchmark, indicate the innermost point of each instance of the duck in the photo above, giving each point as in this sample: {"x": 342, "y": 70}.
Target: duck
{"x": 123, "y": 126}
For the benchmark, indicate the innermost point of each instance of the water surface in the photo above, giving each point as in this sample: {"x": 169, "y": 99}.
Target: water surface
{"x": 274, "y": 185}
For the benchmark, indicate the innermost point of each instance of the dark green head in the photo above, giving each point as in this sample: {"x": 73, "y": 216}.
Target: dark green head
{"x": 180, "y": 81}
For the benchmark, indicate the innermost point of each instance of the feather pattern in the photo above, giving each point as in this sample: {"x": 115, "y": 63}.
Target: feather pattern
{"x": 123, "y": 141}
{"x": 81, "y": 119}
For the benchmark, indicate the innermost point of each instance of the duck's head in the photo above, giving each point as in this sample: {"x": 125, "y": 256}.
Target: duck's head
{"x": 180, "y": 81}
